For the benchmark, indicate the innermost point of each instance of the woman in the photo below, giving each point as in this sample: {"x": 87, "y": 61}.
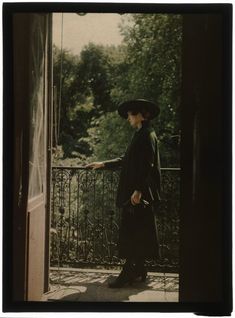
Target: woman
{"x": 138, "y": 192}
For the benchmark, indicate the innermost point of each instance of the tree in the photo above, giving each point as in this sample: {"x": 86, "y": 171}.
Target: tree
{"x": 109, "y": 136}
{"x": 149, "y": 66}
{"x": 69, "y": 125}
{"x": 83, "y": 95}
{"x": 94, "y": 71}
{"x": 146, "y": 65}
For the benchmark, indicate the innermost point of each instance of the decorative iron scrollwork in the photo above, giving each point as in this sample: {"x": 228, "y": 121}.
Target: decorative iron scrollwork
{"x": 86, "y": 218}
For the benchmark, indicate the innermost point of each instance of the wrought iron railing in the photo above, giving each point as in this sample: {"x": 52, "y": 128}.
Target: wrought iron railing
{"x": 85, "y": 219}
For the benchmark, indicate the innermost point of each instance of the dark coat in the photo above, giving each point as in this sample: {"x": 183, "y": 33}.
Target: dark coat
{"x": 140, "y": 170}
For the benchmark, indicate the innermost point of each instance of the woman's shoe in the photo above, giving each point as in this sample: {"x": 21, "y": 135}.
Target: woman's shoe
{"x": 141, "y": 273}
{"x": 124, "y": 278}
{"x": 119, "y": 283}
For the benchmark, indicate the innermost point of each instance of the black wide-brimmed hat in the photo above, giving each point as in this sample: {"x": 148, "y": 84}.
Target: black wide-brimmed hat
{"x": 138, "y": 105}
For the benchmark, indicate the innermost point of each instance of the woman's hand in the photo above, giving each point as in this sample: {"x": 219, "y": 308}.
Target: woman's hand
{"x": 135, "y": 198}
{"x": 95, "y": 165}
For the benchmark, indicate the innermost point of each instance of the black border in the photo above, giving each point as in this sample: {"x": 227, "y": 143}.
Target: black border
{"x": 223, "y": 308}
{"x": 115, "y": 7}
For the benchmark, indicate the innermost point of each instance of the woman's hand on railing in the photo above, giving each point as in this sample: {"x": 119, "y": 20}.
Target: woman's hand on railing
{"x": 95, "y": 165}
{"x": 135, "y": 198}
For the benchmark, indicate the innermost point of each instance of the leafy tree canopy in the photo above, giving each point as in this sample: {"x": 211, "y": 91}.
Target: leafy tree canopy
{"x": 146, "y": 65}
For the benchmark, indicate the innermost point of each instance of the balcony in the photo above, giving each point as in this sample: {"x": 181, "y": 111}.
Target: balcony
{"x": 92, "y": 285}
{"x": 84, "y": 229}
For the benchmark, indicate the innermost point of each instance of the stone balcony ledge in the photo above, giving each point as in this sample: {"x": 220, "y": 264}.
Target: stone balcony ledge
{"x": 69, "y": 284}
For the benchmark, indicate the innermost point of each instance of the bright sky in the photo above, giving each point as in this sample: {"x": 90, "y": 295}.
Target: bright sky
{"x": 99, "y": 28}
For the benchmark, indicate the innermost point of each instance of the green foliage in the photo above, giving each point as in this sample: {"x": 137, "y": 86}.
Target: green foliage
{"x": 93, "y": 69}
{"x": 71, "y": 120}
{"x": 109, "y": 136}
{"x": 149, "y": 66}
{"x": 153, "y": 71}
{"x": 84, "y": 89}
{"x": 146, "y": 65}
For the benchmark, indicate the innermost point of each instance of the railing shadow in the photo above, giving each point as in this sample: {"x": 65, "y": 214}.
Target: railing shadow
{"x": 102, "y": 293}
{"x": 93, "y": 287}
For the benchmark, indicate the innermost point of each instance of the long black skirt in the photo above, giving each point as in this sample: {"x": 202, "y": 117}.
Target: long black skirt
{"x": 138, "y": 235}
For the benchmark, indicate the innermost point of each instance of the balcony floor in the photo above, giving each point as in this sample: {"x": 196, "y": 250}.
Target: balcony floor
{"x": 92, "y": 285}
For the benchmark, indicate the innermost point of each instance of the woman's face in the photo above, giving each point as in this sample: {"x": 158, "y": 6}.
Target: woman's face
{"x": 135, "y": 120}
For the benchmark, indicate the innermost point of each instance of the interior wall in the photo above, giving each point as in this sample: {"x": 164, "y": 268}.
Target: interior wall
{"x": 204, "y": 109}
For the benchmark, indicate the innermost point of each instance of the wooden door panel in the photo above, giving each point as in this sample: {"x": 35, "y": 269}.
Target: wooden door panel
{"x": 32, "y": 99}
{"x": 36, "y": 247}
